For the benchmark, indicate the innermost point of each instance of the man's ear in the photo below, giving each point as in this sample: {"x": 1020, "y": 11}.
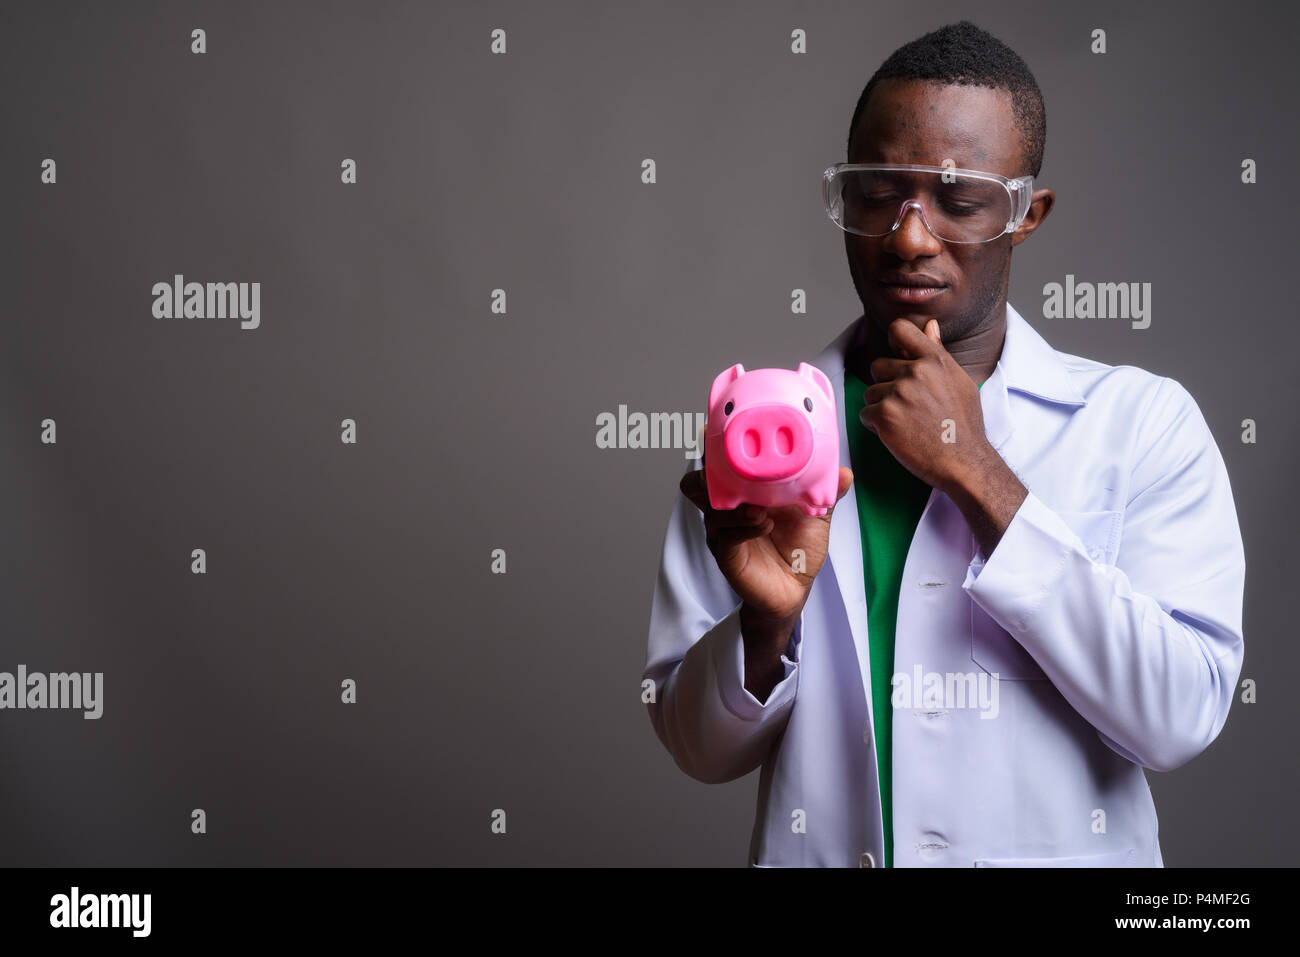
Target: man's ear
{"x": 1039, "y": 208}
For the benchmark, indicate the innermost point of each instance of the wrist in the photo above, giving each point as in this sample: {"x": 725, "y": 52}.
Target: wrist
{"x": 765, "y": 639}
{"x": 973, "y": 473}
{"x": 766, "y": 631}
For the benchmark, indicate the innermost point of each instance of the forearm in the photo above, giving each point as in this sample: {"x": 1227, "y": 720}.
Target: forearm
{"x": 766, "y": 640}
{"x": 988, "y": 494}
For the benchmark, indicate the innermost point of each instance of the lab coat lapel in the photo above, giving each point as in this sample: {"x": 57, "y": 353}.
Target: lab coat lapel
{"x": 1027, "y": 365}
{"x": 844, "y": 553}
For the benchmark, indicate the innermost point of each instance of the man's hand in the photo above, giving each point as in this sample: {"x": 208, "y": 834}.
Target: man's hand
{"x": 770, "y": 557}
{"x": 926, "y": 410}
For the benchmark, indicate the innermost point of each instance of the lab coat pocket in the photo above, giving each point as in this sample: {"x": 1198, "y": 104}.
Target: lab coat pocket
{"x": 992, "y": 646}
{"x": 1122, "y": 858}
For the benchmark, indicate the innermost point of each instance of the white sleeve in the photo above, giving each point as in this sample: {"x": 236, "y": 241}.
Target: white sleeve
{"x": 713, "y": 727}
{"x": 1148, "y": 650}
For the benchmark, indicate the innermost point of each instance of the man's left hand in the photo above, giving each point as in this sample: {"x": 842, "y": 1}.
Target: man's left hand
{"x": 926, "y": 410}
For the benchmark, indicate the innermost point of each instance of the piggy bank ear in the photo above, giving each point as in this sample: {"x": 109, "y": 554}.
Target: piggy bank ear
{"x": 721, "y": 383}
{"x": 819, "y": 379}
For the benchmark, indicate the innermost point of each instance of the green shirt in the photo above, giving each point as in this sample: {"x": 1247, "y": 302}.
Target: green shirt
{"x": 890, "y": 501}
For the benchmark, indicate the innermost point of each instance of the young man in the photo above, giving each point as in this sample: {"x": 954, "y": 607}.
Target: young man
{"x": 1035, "y": 589}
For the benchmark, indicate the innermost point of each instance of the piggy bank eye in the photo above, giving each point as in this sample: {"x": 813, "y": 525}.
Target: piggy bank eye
{"x": 807, "y": 403}
{"x": 726, "y": 409}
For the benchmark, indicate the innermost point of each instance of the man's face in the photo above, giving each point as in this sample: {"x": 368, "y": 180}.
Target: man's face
{"x": 928, "y": 122}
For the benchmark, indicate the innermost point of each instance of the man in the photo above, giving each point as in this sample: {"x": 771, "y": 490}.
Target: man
{"x": 1035, "y": 590}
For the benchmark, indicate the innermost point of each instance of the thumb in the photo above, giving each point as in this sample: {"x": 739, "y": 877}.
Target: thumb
{"x": 846, "y": 479}
{"x": 932, "y": 330}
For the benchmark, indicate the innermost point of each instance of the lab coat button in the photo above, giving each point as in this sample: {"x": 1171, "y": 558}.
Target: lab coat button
{"x": 866, "y": 860}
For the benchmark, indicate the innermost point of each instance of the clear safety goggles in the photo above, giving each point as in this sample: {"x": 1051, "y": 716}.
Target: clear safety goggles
{"x": 956, "y": 205}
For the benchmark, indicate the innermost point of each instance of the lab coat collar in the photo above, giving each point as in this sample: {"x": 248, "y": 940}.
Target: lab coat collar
{"x": 1032, "y": 366}
{"x": 1027, "y": 364}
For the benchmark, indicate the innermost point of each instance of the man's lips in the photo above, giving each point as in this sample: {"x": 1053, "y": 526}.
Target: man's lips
{"x": 903, "y": 288}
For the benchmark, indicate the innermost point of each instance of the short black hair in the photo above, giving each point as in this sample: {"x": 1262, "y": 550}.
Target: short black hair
{"x": 963, "y": 54}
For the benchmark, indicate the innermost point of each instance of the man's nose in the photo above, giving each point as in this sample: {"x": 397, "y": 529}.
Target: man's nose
{"x": 911, "y": 238}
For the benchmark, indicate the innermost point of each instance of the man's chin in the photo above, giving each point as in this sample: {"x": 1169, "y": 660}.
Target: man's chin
{"x": 883, "y": 314}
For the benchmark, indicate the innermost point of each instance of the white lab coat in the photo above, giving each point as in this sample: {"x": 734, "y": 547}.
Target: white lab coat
{"x": 1110, "y": 609}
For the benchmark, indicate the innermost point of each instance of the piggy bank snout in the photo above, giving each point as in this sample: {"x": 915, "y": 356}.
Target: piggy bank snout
{"x": 768, "y": 442}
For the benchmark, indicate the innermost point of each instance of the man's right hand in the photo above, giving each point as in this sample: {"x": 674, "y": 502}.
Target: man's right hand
{"x": 757, "y": 550}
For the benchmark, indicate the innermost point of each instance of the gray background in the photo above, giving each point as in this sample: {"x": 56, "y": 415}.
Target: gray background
{"x": 477, "y": 430}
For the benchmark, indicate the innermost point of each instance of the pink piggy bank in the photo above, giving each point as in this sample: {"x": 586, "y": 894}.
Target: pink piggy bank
{"x": 772, "y": 438}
